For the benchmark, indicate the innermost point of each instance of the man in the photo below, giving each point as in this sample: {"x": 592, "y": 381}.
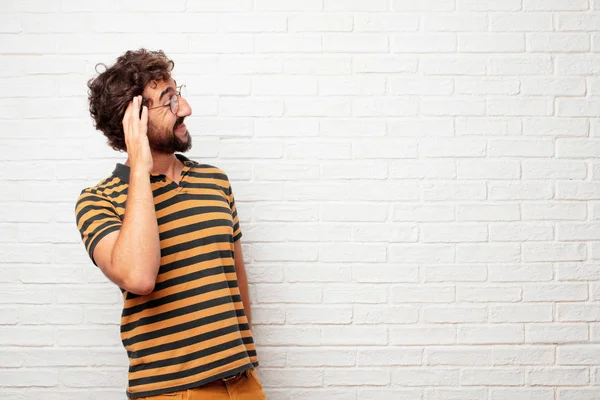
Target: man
{"x": 165, "y": 229}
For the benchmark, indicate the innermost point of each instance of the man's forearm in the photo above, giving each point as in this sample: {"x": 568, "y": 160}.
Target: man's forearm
{"x": 136, "y": 255}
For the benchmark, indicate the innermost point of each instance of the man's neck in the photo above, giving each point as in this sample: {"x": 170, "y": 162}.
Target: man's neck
{"x": 165, "y": 164}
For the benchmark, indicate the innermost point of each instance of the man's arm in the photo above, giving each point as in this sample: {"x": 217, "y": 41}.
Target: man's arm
{"x": 131, "y": 257}
{"x": 242, "y": 278}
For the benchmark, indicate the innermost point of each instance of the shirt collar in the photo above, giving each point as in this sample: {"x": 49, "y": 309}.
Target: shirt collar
{"x": 122, "y": 171}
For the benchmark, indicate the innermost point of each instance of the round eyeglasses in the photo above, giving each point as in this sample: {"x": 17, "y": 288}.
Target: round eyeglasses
{"x": 173, "y": 101}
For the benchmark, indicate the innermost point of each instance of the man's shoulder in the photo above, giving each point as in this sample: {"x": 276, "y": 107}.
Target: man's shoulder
{"x": 106, "y": 187}
{"x": 208, "y": 171}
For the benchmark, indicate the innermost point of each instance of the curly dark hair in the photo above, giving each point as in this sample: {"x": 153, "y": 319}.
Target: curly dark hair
{"x": 110, "y": 92}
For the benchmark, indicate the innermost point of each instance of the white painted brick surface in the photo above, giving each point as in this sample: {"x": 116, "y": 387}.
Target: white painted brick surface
{"x": 417, "y": 182}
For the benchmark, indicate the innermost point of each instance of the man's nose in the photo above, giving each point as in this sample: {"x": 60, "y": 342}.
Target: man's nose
{"x": 184, "y": 108}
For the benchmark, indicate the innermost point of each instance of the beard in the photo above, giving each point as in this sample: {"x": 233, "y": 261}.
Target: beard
{"x": 164, "y": 141}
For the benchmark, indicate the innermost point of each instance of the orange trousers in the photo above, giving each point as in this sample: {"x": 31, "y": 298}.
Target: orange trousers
{"x": 246, "y": 387}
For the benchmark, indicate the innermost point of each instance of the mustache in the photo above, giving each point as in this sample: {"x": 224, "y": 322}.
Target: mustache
{"x": 178, "y": 122}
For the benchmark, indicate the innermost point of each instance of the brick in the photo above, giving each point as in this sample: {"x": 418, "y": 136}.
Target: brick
{"x": 553, "y": 376}
{"x": 521, "y": 232}
{"x": 487, "y": 212}
{"x": 555, "y": 5}
{"x": 423, "y": 213}
{"x": 488, "y": 253}
{"x": 355, "y": 335}
{"x": 558, "y": 42}
{"x": 28, "y": 378}
{"x": 577, "y": 312}
{"x": 352, "y": 128}
{"x": 457, "y": 355}
{"x": 421, "y": 253}
{"x": 490, "y": 334}
{"x": 385, "y": 148}
{"x": 577, "y": 191}
{"x": 453, "y": 233}
{"x": 521, "y": 22}
{"x": 287, "y": 5}
{"x": 385, "y": 274}
{"x": 455, "y": 22}
{"x": 577, "y": 394}
{"x": 520, "y": 313}
{"x": 320, "y": 357}
{"x": 556, "y": 87}
{"x": 385, "y": 22}
{"x": 488, "y": 5}
{"x": 354, "y": 170}
{"x": 492, "y": 376}
{"x": 384, "y": 106}
{"x": 532, "y": 190}
{"x": 399, "y": 233}
{"x": 556, "y": 333}
{"x": 459, "y": 147}
{"x": 521, "y": 393}
{"x": 384, "y": 63}
{"x": 521, "y": 65}
{"x": 270, "y": 335}
{"x": 454, "y": 273}
{"x": 354, "y": 293}
{"x": 318, "y": 106}
{"x": 384, "y": 314}
{"x": 454, "y": 314}
{"x": 358, "y": 377}
{"x": 389, "y": 356}
{"x": 417, "y": 86}
{"x": 577, "y": 355}
{"x": 454, "y": 106}
{"x": 490, "y": 86}
{"x": 405, "y": 376}
{"x": 555, "y": 292}
{"x": 488, "y": 294}
{"x": 430, "y": 169}
{"x": 577, "y": 107}
{"x": 476, "y": 169}
{"x": 421, "y": 294}
{"x": 578, "y": 272}
{"x": 356, "y": 43}
{"x": 292, "y": 377}
{"x": 317, "y": 273}
{"x": 578, "y": 64}
{"x": 577, "y": 21}
{"x": 554, "y": 211}
{"x": 554, "y": 169}
{"x": 491, "y": 42}
{"x": 467, "y": 65}
{"x": 555, "y": 127}
{"x": 318, "y": 315}
{"x": 455, "y": 394}
{"x": 431, "y": 334}
{"x": 427, "y": 5}
{"x": 523, "y": 355}
{"x": 423, "y": 43}
{"x": 320, "y": 23}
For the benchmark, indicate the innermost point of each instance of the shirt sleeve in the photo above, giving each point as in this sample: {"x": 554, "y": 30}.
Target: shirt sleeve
{"x": 237, "y": 232}
{"x": 96, "y": 217}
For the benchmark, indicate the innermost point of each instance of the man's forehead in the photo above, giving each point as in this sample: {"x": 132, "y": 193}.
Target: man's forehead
{"x": 160, "y": 85}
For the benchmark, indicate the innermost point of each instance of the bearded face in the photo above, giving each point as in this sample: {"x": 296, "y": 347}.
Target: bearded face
{"x": 167, "y": 139}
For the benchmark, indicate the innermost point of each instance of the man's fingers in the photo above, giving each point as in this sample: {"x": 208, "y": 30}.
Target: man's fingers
{"x": 144, "y": 117}
{"x": 127, "y": 113}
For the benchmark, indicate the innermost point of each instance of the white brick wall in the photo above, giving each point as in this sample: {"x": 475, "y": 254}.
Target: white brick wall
{"x": 417, "y": 182}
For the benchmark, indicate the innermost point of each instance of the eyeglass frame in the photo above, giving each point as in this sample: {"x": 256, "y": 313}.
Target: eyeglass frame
{"x": 176, "y": 96}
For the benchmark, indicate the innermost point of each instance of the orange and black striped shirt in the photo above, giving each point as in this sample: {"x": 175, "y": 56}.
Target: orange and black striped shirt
{"x": 192, "y": 329}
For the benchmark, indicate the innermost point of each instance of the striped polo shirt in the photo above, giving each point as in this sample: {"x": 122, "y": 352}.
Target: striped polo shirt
{"x": 192, "y": 329}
